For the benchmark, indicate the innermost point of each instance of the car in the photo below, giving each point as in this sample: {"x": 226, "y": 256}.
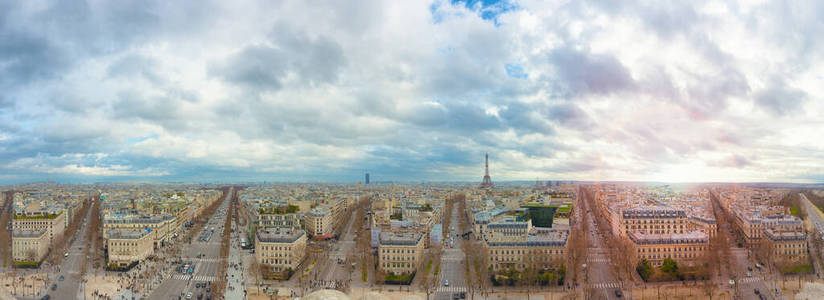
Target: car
{"x": 749, "y": 274}
{"x": 189, "y": 295}
{"x": 446, "y": 282}
{"x": 197, "y": 285}
{"x": 749, "y": 269}
{"x": 46, "y": 297}
{"x": 756, "y": 291}
{"x": 618, "y": 293}
{"x": 54, "y": 287}
{"x": 66, "y": 255}
{"x": 732, "y": 282}
{"x": 61, "y": 278}
{"x": 463, "y": 295}
{"x": 456, "y": 296}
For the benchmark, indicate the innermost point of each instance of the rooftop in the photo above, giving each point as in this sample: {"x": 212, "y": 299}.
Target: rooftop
{"x": 674, "y": 238}
{"x": 280, "y": 235}
{"x": 538, "y": 237}
{"x": 28, "y": 233}
{"x": 391, "y": 238}
{"x": 127, "y": 234}
{"x": 784, "y": 235}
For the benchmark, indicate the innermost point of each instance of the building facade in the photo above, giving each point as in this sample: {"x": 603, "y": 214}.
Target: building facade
{"x": 400, "y": 252}
{"x": 786, "y": 247}
{"x": 540, "y": 248}
{"x": 280, "y": 248}
{"x": 684, "y": 248}
{"x": 30, "y": 245}
{"x": 318, "y": 222}
{"x": 54, "y": 222}
{"x": 128, "y": 245}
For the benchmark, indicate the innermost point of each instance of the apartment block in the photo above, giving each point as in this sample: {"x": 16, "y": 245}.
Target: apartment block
{"x": 788, "y": 246}
{"x": 280, "y": 248}
{"x": 684, "y": 248}
{"x": 52, "y": 220}
{"x": 513, "y": 244}
{"x": 319, "y": 222}
{"x": 400, "y": 252}
{"x": 128, "y": 245}
{"x": 29, "y": 245}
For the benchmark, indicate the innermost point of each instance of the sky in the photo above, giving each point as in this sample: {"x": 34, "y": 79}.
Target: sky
{"x": 673, "y": 91}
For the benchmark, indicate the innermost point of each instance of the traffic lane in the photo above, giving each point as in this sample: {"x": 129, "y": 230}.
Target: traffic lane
{"x": 71, "y": 264}
{"x": 171, "y": 287}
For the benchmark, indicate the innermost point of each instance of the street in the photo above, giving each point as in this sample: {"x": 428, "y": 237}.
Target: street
{"x": 69, "y": 288}
{"x": 205, "y": 255}
{"x": 452, "y": 261}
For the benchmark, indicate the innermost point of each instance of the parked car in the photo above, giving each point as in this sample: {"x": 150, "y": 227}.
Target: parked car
{"x": 446, "y": 282}
{"x": 618, "y": 293}
{"x": 54, "y": 286}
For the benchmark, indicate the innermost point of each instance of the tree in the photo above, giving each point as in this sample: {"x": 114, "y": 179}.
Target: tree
{"x": 644, "y": 269}
{"x": 670, "y": 267}
{"x": 709, "y": 288}
{"x": 31, "y": 255}
{"x": 255, "y": 272}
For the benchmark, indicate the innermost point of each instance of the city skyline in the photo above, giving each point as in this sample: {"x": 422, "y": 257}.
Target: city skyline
{"x": 413, "y": 91}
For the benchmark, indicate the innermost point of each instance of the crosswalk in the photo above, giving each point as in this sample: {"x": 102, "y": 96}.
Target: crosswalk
{"x": 597, "y": 259}
{"x": 202, "y": 259}
{"x": 196, "y": 277}
{"x": 605, "y": 285}
{"x": 451, "y": 289}
{"x": 749, "y": 279}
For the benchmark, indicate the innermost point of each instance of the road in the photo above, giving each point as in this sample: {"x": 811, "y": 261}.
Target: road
{"x": 452, "y": 261}
{"x": 176, "y": 284}
{"x": 70, "y": 268}
{"x": 598, "y": 273}
{"x": 739, "y": 261}
{"x": 334, "y": 274}
{"x": 814, "y": 216}
{"x": 236, "y": 269}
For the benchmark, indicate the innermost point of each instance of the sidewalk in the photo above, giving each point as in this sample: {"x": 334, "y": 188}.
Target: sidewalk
{"x": 237, "y": 276}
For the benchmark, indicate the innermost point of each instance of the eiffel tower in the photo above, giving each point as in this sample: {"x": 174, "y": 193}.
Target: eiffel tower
{"x": 487, "y": 182}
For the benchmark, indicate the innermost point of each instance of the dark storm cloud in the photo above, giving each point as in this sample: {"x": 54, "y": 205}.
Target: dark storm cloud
{"x": 584, "y": 73}
{"x": 570, "y": 115}
{"x": 526, "y": 118}
{"x": 780, "y": 99}
{"x": 134, "y": 65}
{"x": 315, "y": 60}
{"x": 26, "y": 58}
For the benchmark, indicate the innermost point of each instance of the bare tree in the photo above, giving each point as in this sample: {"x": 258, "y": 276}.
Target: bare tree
{"x": 709, "y": 288}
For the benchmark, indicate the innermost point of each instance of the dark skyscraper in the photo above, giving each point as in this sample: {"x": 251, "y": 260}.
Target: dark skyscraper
{"x": 367, "y": 178}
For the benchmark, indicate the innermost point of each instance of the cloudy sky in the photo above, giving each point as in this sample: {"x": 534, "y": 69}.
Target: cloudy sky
{"x": 411, "y": 90}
